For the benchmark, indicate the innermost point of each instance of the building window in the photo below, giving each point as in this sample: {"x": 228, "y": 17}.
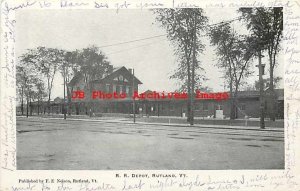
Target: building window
{"x": 219, "y": 107}
{"x": 171, "y": 107}
{"x": 107, "y": 88}
{"x": 121, "y": 78}
{"x": 205, "y": 106}
{"x": 197, "y": 107}
{"x": 130, "y": 90}
{"x": 123, "y": 89}
{"x": 243, "y": 107}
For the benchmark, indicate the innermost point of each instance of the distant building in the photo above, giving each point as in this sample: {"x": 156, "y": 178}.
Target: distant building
{"x": 248, "y": 104}
{"x": 121, "y": 80}
{"x": 41, "y": 107}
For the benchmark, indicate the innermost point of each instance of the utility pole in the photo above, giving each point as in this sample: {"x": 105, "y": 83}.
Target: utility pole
{"x": 64, "y": 105}
{"x": 133, "y": 100}
{"x": 261, "y": 91}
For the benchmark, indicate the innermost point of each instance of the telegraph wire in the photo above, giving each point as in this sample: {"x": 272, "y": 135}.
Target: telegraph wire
{"x": 131, "y": 41}
{"x": 225, "y": 22}
{"x": 125, "y": 50}
{"x": 158, "y": 36}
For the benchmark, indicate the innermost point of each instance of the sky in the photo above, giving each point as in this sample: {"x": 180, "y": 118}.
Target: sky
{"x": 153, "y": 59}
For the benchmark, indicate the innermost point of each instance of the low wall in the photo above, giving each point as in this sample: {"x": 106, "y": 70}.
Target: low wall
{"x": 239, "y": 122}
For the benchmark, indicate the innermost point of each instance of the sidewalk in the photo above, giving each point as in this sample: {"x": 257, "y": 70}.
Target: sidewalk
{"x": 138, "y": 121}
{"x": 185, "y": 125}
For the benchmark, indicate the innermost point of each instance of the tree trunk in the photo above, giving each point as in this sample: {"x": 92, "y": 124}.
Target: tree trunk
{"x": 189, "y": 94}
{"x": 27, "y": 107}
{"x": 193, "y": 74}
{"x": 69, "y": 100}
{"x": 30, "y": 105}
{"x": 38, "y": 107}
{"x": 271, "y": 89}
{"x": 44, "y": 108}
{"x": 89, "y": 100}
{"x": 48, "y": 104}
{"x": 232, "y": 108}
{"x": 235, "y": 102}
{"x": 188, "y": 85}
{"x": 49, "y": 95}
{"x": 22, "y": 101}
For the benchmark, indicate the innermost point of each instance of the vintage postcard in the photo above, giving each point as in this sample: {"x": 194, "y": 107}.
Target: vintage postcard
{"x": 149, "y": 95}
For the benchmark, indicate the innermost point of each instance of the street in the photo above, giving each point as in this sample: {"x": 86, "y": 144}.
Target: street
{"x": 57, "y": 144}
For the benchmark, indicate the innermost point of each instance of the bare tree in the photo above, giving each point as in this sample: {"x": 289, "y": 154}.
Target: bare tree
{"x": 184, "y": 27}
{"x": 70, "y": 67}
{"x": 46, "y": 61}
{"x": 93, "y": 65}
{"x": 39, "y": 94}
{"x": 266, "y": 25}
{"x": 26, "y": 79}
{"x": 234, "y": 54}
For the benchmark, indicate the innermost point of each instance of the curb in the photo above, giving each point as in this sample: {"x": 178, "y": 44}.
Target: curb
{"x": 173, "y": 125}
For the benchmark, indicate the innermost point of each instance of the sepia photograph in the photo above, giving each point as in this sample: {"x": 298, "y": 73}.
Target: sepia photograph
{"x": 151, "y": 89}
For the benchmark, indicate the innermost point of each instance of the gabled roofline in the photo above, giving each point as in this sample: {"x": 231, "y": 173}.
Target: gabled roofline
{"x": 114, "y": 71}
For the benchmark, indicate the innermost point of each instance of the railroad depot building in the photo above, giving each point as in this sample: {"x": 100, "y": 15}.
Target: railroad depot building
{"x": 121, "y": 80}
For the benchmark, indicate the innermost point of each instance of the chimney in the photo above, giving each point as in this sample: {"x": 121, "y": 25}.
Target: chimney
{"x": 130, "y": 70}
